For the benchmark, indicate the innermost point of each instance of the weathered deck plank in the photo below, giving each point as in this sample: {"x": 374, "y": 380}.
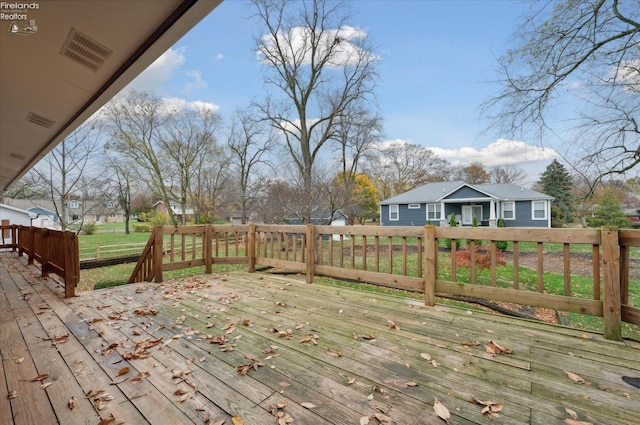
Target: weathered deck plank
{"x": 344, "y": 376}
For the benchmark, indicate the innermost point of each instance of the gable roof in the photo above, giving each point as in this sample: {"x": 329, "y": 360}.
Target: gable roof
{"x": 439, "y": 191}
{"x": 18, "y": 210}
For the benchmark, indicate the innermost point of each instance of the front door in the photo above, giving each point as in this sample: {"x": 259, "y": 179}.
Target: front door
{"x": 468, "y": 212}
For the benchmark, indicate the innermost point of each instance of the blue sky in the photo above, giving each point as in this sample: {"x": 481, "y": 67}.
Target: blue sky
{"x": 438, "y": 59}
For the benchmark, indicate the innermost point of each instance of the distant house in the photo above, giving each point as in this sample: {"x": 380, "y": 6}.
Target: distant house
{"x": 176, "y": 209}
{"x": 98, "y": 212}
{"x": 435, "y": 202}
{"x": 323, "y": 217}
{"x": 11, "y": 215}
{"x": 633, "y": 214}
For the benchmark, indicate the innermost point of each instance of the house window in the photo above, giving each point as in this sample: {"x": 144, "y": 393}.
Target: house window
{"x": 414, "y": 206}
{"x": 539, "y": 210}
{"x": 394, "y": 214}
{"x": 74, "y": 204}
{"x": 112, "y": 215}
{"x": 509, "y": 210}
{"x": 433, "y": 212}
{"x": 111, "y": 204}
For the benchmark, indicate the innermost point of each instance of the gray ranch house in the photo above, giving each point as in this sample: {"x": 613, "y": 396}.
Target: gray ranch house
{"x": 434, "y": 202}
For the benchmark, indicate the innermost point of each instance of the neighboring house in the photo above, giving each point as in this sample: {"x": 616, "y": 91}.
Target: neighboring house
{"x": 324, "y": 218}
{"x": 45, "y": 218}
{"x": 11, "y": 215}
{"x": 633, "y": 214}
{"x": 176, "y": 209}
{"x": 88, "y": 211}
{"x": 434, "y": 203}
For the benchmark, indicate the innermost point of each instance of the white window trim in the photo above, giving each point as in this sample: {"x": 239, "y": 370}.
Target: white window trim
{"x": 513, "y": 209}
{"x": 533, "y": 210}
{"x": 413, "y": 206}
{"x": 397, "y": 211}
{"x": 436, "y": 207}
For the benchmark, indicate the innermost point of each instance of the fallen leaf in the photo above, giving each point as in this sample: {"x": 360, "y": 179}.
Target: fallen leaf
{"x": 307, "y": 405}
{"x": 123, "y": 371}
{"x": 365, "y": 420}
{"x": 108, "y": 421}
{"x": 576, "y": 422}
{"x": 425, "y": 356}
{"x": 237, "y": 420}
{"x": 441, "y": 410}
{"x": 45, "y": 385}
{"x": 12, "y": 394}
{"x": 40, "y": 377}
{"x": 571, "y": 413}
{"x": 73, "y": 402}
{"x": 576, "y": 378}
{"x": 19, "y": 360}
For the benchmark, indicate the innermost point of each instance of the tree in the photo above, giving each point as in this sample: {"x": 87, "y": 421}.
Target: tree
{"x": 122, "y": 177}
{"x": 249, "y": 140}
{"x": 399, "y": 166}
{"x": 356, "y": 134}
{"x": 506, "y": 175}
{"x": 582, "y": 53}
{"x": 608, "y": 212}
{"x": 66, "y": 172}
{"x": 168, "y": 146}
{"x": 476, "y": 174}
{"x": 355, "y": 195}
{"x": 319, "y": 67}
{"x": 556, "y": 181}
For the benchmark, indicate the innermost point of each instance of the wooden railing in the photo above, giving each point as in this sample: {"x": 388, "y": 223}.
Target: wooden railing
{"x": 55, "y": 250}
{"x": 414, "y": 258}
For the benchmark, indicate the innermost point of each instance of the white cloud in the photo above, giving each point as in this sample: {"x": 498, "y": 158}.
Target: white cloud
{"x": 196, "y": 80}
{"x": 176, "y": 104}
{"x": 502, "y": 152}
{"x": 218, "y": 57}
{"x": 297, "y": 41}
{"x": 160, "y": 71}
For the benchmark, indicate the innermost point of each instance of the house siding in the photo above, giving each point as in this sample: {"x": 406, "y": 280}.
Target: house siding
{"x": 466, "y": 193}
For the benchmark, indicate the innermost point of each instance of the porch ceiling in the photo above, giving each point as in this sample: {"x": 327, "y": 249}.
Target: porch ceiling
{"x": 45, "y": 95}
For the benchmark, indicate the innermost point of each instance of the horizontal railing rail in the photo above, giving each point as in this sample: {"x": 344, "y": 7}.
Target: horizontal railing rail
{"x": 496, "y": 264}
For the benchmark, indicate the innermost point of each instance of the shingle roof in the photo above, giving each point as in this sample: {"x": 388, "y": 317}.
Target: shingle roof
{"x": 434, "y": 192}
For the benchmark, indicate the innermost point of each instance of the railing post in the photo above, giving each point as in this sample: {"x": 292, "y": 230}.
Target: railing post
{"x": 430, "y": 272}
{"x": 310, "y": 254}
{"x": 157, "y": 253}
{"x": 611, "y": 309}
{"x": 31, "y": 236}
{"x": 251, "y": 247}
{"x": 208, "y": 254}
{"x": 69, "y": 265}
{"x": 14, "y": 237}
{"x": 20, "y": 241}
{"x": 44, "y": 243}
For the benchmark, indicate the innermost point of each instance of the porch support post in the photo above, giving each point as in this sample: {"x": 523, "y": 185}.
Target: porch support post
{"x": 611, "y": 308}
{"x": 443, "y": 215}
{"x": 492, "y": 213}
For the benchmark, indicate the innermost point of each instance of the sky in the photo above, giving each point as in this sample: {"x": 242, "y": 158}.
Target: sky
{"x": 437, "y": 65}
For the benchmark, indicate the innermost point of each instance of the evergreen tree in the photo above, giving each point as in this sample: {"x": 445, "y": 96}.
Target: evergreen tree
{"x": 556, "y": 181}
{"x": 608, "y": 212}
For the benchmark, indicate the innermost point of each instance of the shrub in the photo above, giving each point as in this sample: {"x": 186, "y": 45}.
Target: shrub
{"x": 158, "y": 218}
{"x": 89, "y": 228}
{"x": 481, "y": 257}
{"x": 141, "y": 228}
{"x": 501, "y": 245}
{"x": 452, "y": 223}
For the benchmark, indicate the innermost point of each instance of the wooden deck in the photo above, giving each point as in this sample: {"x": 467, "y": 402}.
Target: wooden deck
{"x": 171, "y": 353}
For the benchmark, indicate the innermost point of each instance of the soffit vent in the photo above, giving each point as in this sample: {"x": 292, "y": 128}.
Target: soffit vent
{"x": 40, "y": 120}
{"x": 85, "y": 51}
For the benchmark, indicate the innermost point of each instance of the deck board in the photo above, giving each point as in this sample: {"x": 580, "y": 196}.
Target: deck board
{"x": 367, "y": 377}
